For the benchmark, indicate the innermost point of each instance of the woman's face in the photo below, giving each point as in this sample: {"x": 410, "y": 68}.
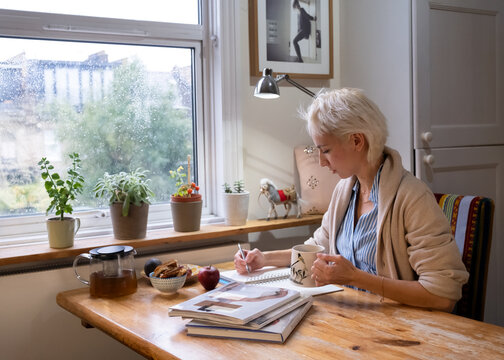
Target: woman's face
{"x": 340, "y": 155}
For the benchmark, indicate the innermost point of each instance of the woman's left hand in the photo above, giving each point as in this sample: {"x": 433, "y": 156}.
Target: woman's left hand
{"x": 333, "y": 269}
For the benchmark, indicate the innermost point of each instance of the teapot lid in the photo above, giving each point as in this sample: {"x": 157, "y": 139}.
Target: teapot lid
{"x": 111, "y": 252}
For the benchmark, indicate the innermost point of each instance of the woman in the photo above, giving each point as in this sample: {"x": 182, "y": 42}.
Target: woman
{"x": 304, "y": 28}
{"x": 383, "y": 231}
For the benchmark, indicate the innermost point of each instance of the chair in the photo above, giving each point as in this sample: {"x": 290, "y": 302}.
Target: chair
{"x": 471, "y": 220}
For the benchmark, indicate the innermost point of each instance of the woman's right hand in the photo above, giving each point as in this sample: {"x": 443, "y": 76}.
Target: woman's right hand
{"x": 253, "y": 258}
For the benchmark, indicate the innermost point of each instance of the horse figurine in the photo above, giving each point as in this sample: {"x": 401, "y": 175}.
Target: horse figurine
{"x": 287, "y": 197}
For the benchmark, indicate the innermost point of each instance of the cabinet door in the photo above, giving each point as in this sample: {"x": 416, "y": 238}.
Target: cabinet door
{"x": 473, "y": 171}
{"x": 466, "y": 170}
{"x": 458, "y": 72}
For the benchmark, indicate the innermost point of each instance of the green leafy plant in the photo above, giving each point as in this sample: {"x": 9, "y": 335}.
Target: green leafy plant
{"x": 238, "y": 187}
{"x": 128, "y": 188}
{"x": 59, "y": 190}
{"x": 184, "y": 189}
{"x": 227, "y": 188}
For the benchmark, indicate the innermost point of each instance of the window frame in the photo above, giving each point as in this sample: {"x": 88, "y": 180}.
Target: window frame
{"x": 214, "y": 117}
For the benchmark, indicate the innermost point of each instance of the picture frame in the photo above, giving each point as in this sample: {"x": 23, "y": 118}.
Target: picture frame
{"x": 275, "y": 26}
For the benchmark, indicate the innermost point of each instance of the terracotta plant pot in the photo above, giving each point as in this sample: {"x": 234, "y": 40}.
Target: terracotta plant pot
{"x": 236, "y": 208}
{"x": 61, "y": 233}
{"x": 133, "y": 226}
{"x": 186, "y": 212}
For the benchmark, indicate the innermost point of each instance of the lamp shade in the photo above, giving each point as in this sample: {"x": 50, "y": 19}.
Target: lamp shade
{"x": 267, "y": 87}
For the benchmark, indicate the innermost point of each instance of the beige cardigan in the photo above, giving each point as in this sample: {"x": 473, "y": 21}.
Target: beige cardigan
{"x": 414, "y": 238}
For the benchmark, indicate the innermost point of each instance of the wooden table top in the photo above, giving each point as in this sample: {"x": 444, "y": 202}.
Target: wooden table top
{"x": 348, "y": 324}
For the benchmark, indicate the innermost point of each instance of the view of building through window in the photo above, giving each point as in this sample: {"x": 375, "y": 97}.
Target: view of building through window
{"x": 121, "y": 107}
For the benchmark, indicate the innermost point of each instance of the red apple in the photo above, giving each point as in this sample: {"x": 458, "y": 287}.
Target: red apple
{"x": 209, "y": 276}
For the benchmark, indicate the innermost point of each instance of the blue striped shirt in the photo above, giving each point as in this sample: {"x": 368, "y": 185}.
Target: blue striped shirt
{"x": 358, "y": 244}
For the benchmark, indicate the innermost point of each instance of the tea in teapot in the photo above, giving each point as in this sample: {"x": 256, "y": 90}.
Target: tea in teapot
{"x": 112, "y": 271}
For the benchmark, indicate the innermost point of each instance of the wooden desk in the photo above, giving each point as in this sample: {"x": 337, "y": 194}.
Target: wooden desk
{"x": 348, "y": 324}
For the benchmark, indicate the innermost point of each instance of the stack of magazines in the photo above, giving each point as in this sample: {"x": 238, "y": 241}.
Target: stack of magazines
{"x": 245, "y": 311}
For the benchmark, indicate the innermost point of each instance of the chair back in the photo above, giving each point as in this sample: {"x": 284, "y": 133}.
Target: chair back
{"x": 471, "y": 219}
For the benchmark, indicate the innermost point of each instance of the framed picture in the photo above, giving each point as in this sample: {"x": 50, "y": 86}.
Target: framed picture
{"x": 291, "y": 37}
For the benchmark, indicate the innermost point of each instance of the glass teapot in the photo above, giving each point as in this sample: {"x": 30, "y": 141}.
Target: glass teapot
{"x": 112, "y": 271}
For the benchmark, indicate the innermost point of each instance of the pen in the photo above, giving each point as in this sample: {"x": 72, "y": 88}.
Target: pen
{"x": 243, "y": 257}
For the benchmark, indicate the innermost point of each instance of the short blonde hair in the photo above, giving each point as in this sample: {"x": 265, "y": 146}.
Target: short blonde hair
{"x": 348, "y": 111}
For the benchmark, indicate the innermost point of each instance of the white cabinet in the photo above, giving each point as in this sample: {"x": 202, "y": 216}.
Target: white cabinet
{"x": 475, "y": 170}
{"x": 458, "y": 73}
{"x": 458, "y": 111}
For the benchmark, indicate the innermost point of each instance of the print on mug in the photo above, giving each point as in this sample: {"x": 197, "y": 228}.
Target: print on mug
{"x": 302, "y": 258}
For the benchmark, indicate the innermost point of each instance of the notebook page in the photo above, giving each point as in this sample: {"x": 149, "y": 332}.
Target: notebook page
{"x": 304, "y": 290}
{"x": 267, "y": 273}
{"x": 278, "y": 277}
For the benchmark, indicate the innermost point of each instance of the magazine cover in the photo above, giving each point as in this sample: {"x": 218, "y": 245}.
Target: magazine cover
{"x": 277, "y": 331}
{"x": 234, "y": 303}
{"x": 264, "y": 319}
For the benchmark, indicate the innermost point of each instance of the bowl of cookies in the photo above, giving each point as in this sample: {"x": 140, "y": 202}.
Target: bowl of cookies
{"x": 168, "y": 277}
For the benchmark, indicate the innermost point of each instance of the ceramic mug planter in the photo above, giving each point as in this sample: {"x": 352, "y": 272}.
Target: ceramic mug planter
{"x": 186, "y": 212}
{"x": 236, "y": 208}
{"x": 132, "y": 226}
{"x": 61, "y": 233}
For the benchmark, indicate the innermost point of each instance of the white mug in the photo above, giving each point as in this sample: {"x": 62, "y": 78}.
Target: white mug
{"x": 302, "y": 258}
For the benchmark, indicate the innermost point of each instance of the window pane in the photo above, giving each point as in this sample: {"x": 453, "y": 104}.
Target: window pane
{"x": 176, "y": 11}
{"x": 120, "y": 107}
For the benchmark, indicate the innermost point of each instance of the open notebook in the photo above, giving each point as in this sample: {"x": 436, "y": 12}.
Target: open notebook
{"x": 278, "y": 277}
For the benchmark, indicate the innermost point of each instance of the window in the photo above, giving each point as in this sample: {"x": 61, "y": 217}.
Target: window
{"x": 122, "y": 93}
{"x": 172, "y": 11}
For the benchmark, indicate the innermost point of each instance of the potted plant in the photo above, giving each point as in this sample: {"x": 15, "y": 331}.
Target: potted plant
{"x": 186, "y": 202}
{"x": 236, "y": 202}
{"x": 62, "y": 229}
{"x": 129, "y": 198}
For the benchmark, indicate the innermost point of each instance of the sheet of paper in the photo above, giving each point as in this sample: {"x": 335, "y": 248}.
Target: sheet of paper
{"x": 269, "y": 278}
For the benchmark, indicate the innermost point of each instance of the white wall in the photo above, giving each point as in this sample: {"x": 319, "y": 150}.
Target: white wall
{"x": 33, "y": 326}
{"x": 376, "y": 57}
{"x": 272, "y": 128}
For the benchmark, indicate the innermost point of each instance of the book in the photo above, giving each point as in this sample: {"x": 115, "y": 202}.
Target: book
{"x": 267, "y": 318}
{"x": 278, "y": 277}
{"x": 234, "y": 303}
{"x": 277, "y": 331}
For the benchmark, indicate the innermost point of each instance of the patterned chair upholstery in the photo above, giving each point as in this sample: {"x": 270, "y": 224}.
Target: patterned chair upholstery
{"x": 471, "y": 224}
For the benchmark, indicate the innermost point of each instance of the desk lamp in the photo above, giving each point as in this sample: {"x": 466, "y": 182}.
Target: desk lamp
{"x": 267, "y": 87}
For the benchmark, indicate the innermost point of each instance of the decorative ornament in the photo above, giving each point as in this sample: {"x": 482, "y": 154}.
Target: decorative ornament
{"x": 286, "y": 197}
{"x": 310, "y": 150}
{"x": 312, "y": 182}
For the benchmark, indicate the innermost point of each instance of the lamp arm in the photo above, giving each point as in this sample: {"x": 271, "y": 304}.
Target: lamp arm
{"x": 287, "y": 78}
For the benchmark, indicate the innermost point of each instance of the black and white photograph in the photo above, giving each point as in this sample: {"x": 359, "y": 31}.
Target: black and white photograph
{"x": 291, "y": 36}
